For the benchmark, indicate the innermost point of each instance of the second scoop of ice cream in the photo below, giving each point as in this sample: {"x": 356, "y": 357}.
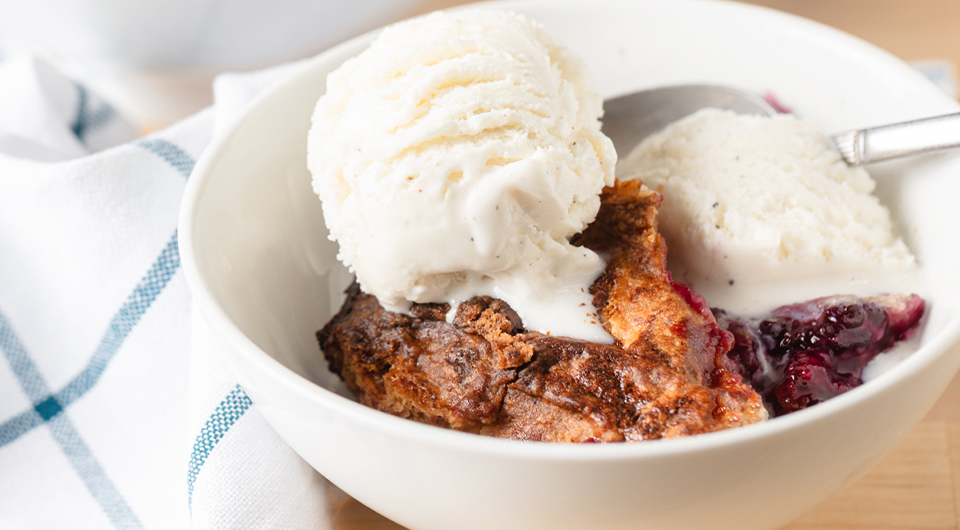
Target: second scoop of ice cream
{"x": 457, "y": 156}
{"x": 757, "y": 199}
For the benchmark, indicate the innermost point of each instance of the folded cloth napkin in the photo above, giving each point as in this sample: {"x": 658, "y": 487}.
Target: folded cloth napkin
{"x": 115, "y": 408}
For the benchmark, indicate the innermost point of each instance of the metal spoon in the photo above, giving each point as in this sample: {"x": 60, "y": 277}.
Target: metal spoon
{"x": 629, "y": 119}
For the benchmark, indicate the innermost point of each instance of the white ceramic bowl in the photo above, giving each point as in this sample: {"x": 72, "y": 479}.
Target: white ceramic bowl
{"x": 264, "y": 275}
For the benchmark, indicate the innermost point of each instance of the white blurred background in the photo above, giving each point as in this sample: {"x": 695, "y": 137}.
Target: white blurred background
{"x": 155, "y": 59}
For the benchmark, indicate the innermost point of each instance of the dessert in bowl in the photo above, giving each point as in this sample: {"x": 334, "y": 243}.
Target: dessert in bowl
{"x": 266, "y": 278}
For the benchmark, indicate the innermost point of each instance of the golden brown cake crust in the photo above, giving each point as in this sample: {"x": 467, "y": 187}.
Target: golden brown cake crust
{"x": 484, "y": 373}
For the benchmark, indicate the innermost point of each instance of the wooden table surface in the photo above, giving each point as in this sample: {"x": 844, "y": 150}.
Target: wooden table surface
{"x": 918, "y": 484}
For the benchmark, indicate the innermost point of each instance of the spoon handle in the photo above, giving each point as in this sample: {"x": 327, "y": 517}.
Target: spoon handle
{"x": 899, "y": 139}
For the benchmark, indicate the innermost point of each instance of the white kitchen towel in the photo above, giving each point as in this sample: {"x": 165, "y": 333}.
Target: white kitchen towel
{"x": 115, "y": 409}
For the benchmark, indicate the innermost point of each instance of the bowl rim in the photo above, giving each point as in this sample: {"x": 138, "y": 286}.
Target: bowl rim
{"x": 216, "y": 317}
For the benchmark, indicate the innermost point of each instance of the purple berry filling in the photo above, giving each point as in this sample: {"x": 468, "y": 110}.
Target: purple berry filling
{"x": 803, "y": 354}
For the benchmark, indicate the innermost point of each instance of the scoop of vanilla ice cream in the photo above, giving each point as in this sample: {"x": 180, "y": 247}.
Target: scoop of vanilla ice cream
{"x": 456, "y": 156}
{"x": 757, "y": 199}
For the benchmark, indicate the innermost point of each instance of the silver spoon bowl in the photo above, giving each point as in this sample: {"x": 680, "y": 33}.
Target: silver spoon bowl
{"x": 630, "y": 118}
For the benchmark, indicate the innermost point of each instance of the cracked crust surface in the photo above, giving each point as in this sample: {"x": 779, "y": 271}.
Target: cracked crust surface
{"x": 485, "y": 373}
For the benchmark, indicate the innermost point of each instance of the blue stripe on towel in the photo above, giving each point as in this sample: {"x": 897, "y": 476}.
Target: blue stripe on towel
{"x": 22, "y": 365}
{"x": 123, "y": 322}
{"x": 30, "y": 381}
{"x": 100, "y": 117}
{"x": 79, "y": 126}
{"x": 120, "y": 325}
{"x": 93, "y": 475}
{"x": 19, "y": 425}
{"x": 169, "y": 152}
{"x": 50, "y": 411}
{"x": 86, "y": 120}
{"x": 226, "y": 414}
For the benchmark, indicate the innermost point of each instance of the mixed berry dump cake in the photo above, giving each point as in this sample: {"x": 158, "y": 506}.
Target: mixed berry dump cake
{"x": 674, "y": 370}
